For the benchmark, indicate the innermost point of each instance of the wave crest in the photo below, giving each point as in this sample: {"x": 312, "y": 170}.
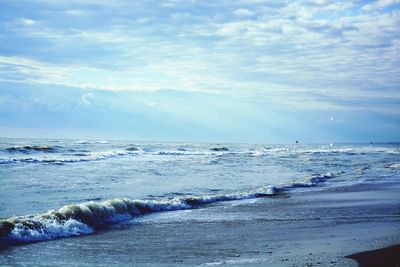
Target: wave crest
{"x": 30, "y": 148}
{"x": 395, "y": 165}
{"x": 218, "y": 149}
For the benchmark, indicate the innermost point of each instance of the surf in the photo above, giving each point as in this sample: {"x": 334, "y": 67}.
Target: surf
{"x": 86, "y": 218}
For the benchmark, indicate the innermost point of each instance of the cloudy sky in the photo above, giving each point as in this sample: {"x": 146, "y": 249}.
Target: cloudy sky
{"x": 201, "y": 70}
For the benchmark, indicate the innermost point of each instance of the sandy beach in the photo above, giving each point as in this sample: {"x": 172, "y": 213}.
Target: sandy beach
{"x": 317, "y": 228}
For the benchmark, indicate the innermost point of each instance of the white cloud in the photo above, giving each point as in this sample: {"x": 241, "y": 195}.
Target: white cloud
{"x": 76, "y": 12}
{"x": 335, "y": 119}
{"x": 380, "y": 4}
{"x": 87, "y": 98}
{"x": 243, "y": 12}
{"x": 260, "y": 49}
{"x": 31, "y": 70}
{"x": 25, "y": 22}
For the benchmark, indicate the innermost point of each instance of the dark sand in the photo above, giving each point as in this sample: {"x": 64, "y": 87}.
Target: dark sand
{"x": 306, "y": 229}
{"x": 384, "y": 257}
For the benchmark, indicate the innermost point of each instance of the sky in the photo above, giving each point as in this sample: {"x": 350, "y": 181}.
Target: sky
{"x": 252, "y": 71}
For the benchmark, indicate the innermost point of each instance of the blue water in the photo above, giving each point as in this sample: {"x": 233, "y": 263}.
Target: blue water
{"x": 62, "y": 188}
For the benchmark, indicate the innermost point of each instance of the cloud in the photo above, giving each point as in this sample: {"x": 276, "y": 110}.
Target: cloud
{"x": 25, "y": 22}
{"x": 335, "y": 119}
{"x": 76, "y": 12}
{"x": 243, "y": 12}
{"x": 87, "y": 98}
{"x": 380, "y": 4}
{"x": 20, "y": 69}
{"x": 297, "y": 53}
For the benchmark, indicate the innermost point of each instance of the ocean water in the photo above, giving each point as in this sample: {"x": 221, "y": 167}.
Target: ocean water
{"x": 52, "y": 189}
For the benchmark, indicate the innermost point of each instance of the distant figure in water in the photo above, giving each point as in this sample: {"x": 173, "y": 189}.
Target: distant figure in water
{"x": 297, "y": 141}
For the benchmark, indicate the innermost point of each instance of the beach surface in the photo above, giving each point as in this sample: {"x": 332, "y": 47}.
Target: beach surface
{"x": 310, "y": 228}
{"x": 384, "y": 257}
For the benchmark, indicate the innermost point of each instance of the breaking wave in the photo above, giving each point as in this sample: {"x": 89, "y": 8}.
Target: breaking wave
{"x": 86, "y": 218}
{"x": 85, "y": 142}
{"x": 133, "y": 148}
{"x": 71, "y": 158}
{"x": 393, "y": 165}
{"x": 30, "y": 148}
{"x": 84, "y": 156}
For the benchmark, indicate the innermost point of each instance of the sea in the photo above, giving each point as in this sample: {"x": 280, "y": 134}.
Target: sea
{"x": 54, "y": 189}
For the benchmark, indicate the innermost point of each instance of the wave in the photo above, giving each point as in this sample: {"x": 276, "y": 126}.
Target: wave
{"x": 312, "y": 181}
{"x": 351, "y": 151}
{"x": 85, "y": 142}
{"x": 31, "y": 148}
{"x": 219, "y": 149}
{"x": 70, "y": 158}
{"x": 179, "y": 152}
{"x": 62, "y": 154}
{"x": 133, "y": 148}
{"x": 80, "y": 219}
{"x": 393, "y": 165}
{"x": 86, "y": 218}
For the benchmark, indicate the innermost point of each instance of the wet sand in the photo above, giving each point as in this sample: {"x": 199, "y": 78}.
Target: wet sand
{"x": 384, "y": 257}
{"x": 315, "y": 228}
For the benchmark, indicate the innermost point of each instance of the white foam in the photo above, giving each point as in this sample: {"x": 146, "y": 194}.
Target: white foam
{"x": 48, "y": 229}
{"x": 393, "y": 165}
{"x": 85, "y": 142}
{"x": 241, "y": 261}
{"x": 71, "y": 158}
